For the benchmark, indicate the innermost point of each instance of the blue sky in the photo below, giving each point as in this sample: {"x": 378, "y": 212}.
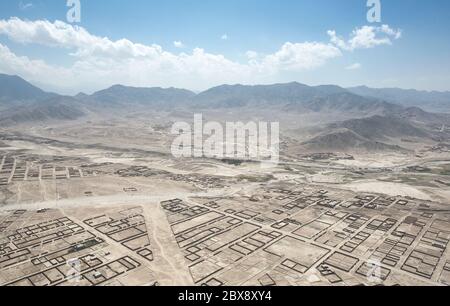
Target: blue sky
{"x": 182, "y": 43}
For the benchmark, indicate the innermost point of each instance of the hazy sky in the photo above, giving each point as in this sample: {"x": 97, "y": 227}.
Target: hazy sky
{"x": 197, "y": 44}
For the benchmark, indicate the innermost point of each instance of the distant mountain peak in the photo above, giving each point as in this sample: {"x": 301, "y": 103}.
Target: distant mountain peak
{"x": 13, "y": 88}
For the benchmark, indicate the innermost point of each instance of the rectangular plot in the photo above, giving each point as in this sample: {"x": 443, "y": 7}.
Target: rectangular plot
{"x": 126, "y": 234}
{"x": 312, "y": 229}
{"x": 300, "y": 252}
{"x": 231, "y": 236}
{"x": 197, "y": 221}
{"x": 341, "y": 261}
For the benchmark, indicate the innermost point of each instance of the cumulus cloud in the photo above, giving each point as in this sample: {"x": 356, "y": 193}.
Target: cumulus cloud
{"x": 224, "y": 37}
{"x": 366, "y": 37}
{"x": 98, "y": 62}
{"x": 61, "y": 34}
{"x": 178, "y": 44}
{"x": 301, "y": 56}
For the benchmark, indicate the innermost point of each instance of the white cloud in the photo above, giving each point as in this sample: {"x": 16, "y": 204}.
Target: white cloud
{"x": 36, "y": 70}
{"x": 354, "y": 66}
{"x": 98, "y": 62}
{"x": 251, "y": 55}
{"x": 57, "y": 34}
{"x": 224, "y": 37}
{"x": 366, "y": 37}
{"x": 391, "y": 32}
{"x": 178, "y": 44}
{"x": 301, "y": 56}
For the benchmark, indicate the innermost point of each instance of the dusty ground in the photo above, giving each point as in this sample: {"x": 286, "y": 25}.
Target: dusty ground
{"x": 198, "y": 221}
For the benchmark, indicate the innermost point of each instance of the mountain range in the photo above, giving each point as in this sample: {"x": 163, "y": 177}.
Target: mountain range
{"x": 433, "y": 101}
{"x": 289, "y": 97}
{"x": 376, "y": 115}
